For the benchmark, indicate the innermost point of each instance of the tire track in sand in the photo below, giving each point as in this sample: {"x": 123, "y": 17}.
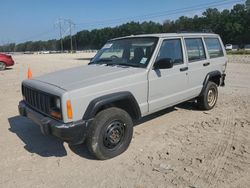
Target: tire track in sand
{"x": 216, "y": 159}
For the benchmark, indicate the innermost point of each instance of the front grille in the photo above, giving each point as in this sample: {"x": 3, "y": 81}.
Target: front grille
{"x": 37, "y": 99}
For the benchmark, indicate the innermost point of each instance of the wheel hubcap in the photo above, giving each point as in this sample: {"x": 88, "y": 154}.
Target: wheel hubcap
{"x": 114, "y": 134}
{"x": 211, "y": 97}
{"x": 2, "y": 66}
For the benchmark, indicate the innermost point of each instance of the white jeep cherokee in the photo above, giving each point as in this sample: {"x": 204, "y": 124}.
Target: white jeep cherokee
{"x": 129, "y": 78}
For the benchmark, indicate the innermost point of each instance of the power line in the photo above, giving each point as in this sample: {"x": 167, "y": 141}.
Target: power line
{"x": 37, "y": 35}
{"x": 61, "y": 22}
{"x": 150, "y": 14}
{"x": 160, "y": 14}
{"x": 65, "y": 26}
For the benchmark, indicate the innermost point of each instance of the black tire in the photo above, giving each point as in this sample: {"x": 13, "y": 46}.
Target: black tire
{"x": 2, "y": 66}
{"x": 209, "y": 97}
{"x": 110, "y": 133}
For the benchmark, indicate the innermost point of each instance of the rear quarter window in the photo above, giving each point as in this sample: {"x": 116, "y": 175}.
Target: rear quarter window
{"x": 214, "y": 47}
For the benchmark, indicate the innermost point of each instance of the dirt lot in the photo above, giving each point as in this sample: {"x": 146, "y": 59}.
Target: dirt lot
{"x": 177, "y": 147}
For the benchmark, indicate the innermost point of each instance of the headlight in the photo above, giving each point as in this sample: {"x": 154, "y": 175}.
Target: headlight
{"x": 55, "y": 108}
{"x": 58, "y": 103}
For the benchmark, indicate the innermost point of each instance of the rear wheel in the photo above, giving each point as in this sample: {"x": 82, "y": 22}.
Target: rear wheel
{"x": 209, "y": 98}
{"x": 110, "y": 133}
{"x": 2, "y": 66}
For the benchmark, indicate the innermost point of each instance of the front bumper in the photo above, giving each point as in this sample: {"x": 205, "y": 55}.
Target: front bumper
{"x": 73, "y": 133}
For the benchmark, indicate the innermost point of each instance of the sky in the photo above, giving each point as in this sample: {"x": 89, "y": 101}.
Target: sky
{"x": 30, "y": 20}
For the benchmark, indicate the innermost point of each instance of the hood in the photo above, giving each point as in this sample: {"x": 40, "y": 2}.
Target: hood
{"x": 79, "y": 77}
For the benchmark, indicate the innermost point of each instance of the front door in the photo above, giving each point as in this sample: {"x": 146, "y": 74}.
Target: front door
{"x": 168, "y": 87}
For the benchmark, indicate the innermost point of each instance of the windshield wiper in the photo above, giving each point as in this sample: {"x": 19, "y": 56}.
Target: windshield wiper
{"x": 101, "y": 60}
{"x": 129, "y": 65}
{"x": 109, "y": 62}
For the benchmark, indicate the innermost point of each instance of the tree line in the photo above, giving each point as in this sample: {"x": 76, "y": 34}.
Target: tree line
{"x": 232, "y": 25}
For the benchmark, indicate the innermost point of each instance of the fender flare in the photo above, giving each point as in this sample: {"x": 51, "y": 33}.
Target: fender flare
{"x": 209, "y": 75}
{"x": 101, "y": 101}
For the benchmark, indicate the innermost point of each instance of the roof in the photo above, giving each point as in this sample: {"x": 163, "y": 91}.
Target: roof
{"x": 165, "y": 35}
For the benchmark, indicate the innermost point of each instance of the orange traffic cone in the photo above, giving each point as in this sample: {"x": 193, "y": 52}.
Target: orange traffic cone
{"x": 29, "y": 74}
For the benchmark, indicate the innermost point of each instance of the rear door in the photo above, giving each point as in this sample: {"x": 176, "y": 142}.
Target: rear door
{"x": 197, "y": 64}
{"x": 168, "y": 86}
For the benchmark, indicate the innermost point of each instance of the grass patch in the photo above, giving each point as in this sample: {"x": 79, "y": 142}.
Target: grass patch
{"x": 239, "y": 52}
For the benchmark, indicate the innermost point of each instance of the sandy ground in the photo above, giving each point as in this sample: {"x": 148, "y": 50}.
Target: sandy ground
{"x": 177, "y": 147}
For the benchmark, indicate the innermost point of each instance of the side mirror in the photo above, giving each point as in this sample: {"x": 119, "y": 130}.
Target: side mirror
{"x": 165, "y": 63}
{"x": 90, "y": 61}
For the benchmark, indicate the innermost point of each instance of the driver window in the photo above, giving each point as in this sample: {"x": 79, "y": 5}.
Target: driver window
{"x": 171, "y": 49}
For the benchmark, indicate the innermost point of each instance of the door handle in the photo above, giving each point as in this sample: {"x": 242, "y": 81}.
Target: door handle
{"x": 206, "y": 64}
{"x": 183, "y": 69}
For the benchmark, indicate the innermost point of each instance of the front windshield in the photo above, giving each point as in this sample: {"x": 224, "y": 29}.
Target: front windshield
{"x": 135, "y": 52}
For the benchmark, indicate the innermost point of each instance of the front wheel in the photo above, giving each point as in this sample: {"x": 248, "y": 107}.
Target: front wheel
{"x": 110, "y": 133}
{"x": 209, "y": 98}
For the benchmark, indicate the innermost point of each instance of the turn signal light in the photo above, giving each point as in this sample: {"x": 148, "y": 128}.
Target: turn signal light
{"x": 56, "y": 114}
{"x": 69, "y": 109}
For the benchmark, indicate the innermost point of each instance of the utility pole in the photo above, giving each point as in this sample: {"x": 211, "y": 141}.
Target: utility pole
{"x": 71, "y": 24}
{"x": 65, "y": 26}
{"x": 59, "y": 25}
{"x": 70, "y": 30}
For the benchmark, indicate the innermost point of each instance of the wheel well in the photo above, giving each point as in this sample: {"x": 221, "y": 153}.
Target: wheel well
{"x": 123, "y": 100}
{"x": 215, "y": 79}
{"x": 214, "y": 76}
{"x": 125, "y": 104}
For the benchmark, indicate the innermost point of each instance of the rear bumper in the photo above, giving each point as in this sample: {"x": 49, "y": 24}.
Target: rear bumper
{"x": 222, "y": 81}
{"x": 9, "y": 62}
{"x": 73, "y": 133}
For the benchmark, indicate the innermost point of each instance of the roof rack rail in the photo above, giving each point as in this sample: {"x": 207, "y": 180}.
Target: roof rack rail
{"x": 202, "y": 31}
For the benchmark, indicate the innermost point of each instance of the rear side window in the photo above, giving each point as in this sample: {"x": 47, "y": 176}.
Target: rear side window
{"x": 171, "y": 49}
{"x": 214, "y": 47}
{"x": 195, "y": 49}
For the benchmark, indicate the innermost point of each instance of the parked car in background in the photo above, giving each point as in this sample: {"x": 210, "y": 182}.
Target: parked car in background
{"x": 247, "y": 47}
{"x": 229, "y": 47}
{"x": 5, "y": 61}
{"x": 235, "y": 47}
